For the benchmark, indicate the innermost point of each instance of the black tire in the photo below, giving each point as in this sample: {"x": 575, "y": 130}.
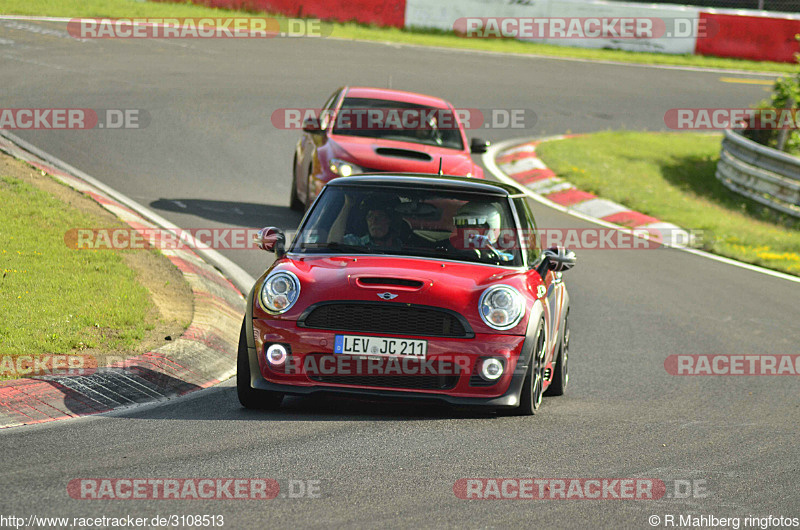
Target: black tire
{"x": 295, "y": 203}
{"x": 531, "y": 397}
{"x": 561, "y": 370}
{"x": 249, "y": 397}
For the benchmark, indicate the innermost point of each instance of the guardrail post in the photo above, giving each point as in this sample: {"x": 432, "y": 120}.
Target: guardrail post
{"x": 783, "y": 134}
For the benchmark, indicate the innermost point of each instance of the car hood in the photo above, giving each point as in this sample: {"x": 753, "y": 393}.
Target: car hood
{"x": 450, "y": 285}
{"x": 407, "y": 157}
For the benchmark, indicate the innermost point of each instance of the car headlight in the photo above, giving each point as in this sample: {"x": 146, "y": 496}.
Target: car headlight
{"x": 279, "y": 292}
{"x": 501, "y": 307}
{"x": 342, "y": 168}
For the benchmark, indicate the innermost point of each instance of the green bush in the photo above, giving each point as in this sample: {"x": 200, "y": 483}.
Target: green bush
{"x": 785, "y": 94}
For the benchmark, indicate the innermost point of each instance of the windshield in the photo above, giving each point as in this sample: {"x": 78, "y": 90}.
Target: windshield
{"x": 398, "y": 120}
{"x": 412, "y": 222}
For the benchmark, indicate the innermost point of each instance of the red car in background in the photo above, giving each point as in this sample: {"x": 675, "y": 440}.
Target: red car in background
{"x": 412, "y": 286}
{"x": 376, "y": 130}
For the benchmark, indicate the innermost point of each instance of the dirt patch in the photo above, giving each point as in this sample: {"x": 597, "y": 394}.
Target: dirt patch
{"x": 173, "y": 305}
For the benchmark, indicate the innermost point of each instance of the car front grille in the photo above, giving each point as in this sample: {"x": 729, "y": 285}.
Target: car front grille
{"x": 385, "y": 317}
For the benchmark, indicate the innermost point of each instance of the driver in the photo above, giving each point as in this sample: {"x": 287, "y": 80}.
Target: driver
{"x": 477, "y": 231}
{"x": 379, "y": 215}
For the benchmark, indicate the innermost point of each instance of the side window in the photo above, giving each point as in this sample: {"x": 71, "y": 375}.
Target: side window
{"x": 327, "y": 110}
{"x": 529, "y": 236}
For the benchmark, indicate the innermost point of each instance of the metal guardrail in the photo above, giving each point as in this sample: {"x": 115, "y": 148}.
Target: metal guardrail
{"x": 760, "y": 173}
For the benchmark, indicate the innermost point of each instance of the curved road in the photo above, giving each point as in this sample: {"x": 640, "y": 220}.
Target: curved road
{"x": 211, "y": 148}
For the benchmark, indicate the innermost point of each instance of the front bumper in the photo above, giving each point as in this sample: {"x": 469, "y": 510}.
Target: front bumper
{"x": 308, "y": 346}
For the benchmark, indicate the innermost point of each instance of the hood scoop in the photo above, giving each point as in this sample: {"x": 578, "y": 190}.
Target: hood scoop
{"x": 403, "y": 153}
{"x": 373, "y": 281}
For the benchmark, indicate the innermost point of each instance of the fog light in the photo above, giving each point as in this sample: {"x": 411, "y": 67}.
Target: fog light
{"x": 276, "y": 354}
{"x": 491, "y": 369}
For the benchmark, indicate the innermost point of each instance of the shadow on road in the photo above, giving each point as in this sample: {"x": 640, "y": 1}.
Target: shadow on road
{"x": 221, "y": 404}
{"x": 232, "y": 213}
{"x": 91, "y": 393}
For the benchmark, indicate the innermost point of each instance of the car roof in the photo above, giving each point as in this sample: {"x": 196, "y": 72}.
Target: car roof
{"x": 419, "y": 180}
{"x": 396, "y": 95}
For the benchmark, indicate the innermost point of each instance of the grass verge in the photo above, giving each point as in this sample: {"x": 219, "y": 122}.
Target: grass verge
{"x": 671, "y": 176}
{"x": 133, "y": 8}
{"x": 58, "y": 300}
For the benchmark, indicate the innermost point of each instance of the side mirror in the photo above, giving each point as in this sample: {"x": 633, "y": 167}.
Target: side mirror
{"x": 478, "y": 146}
{"x": 556, "y": 259}
{"x": 311, "y": 125}
{"x": 560, "y": 259}
{"x": 271, "y": 239}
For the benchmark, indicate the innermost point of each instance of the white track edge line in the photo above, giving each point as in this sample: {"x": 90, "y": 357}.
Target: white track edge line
{"x": 488, "y": 161}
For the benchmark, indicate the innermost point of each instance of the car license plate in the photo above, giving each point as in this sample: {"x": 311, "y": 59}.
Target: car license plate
{"x": 380, "y": 346}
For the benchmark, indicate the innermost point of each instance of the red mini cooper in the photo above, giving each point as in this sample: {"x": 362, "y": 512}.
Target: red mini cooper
{"x": 409, "y": 286}
{"x": 371, "y": 130}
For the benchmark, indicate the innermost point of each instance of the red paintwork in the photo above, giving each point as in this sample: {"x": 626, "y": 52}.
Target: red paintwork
{"x": 630, "y": 218}
{"x": 749, "y": 37}
{"x": 361, "y": 151}
{"x": 378, "y": 12}
{"x": 533, "y": 175}
{"x": 450, "y": 285}
{"x": 315, "y": 150}
{"x": 456, "y": 286}
{"x": 570, "y": 196}
{"x": 305, "y": 341}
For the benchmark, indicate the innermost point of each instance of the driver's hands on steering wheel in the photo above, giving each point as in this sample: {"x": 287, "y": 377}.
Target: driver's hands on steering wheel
{"x": 483, "y": 243}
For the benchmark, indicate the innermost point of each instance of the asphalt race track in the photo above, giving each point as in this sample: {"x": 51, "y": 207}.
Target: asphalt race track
{"x": 210, "y": 157}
